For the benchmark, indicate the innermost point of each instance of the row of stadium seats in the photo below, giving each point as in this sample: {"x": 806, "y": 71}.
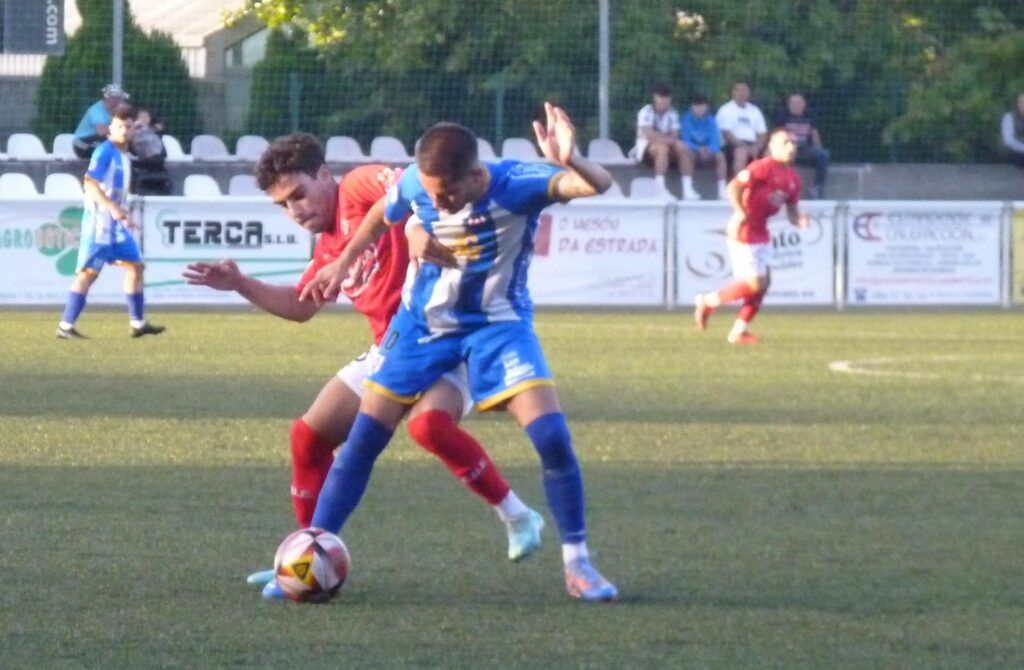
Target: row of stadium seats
{"x": 339, "y": 149}
{"x": 64, "y": 185}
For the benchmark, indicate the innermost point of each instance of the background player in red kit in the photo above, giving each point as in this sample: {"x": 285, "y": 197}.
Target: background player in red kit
{"x": 293, "y": 173}
{"x": 756, "y": 194}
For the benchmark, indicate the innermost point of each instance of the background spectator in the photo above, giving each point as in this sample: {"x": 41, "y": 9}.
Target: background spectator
{"x": 149, "y": 175}
{"x": 743, "y": 128}
{"x": 657, "y": 134}
{"x": 95, "y": 124}
{"x": 1013, "y": 132}
{"x": 703, "y": 143}
{"x": 809, "y": 150}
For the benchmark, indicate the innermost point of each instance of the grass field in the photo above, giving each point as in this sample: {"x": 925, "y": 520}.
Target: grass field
{"x": 756, "y": 509}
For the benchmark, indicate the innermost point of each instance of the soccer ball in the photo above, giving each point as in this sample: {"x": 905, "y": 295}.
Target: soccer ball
{"x": 311, "y": 565}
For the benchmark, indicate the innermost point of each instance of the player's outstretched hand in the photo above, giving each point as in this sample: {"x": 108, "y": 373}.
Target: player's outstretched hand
{"x": 325, "y": 285}
{"x": 425, "y": 247}
{"x": 222, "y": 276}
{"x": 557, "y": 140}
{"x": 803, "y": 220}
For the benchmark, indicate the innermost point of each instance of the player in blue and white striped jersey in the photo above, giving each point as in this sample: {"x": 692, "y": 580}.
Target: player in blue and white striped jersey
{"x": 468, "y": 301}
{"x": 107, "y": 231}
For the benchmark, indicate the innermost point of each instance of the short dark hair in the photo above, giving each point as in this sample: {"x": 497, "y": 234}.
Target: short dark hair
{"x": 288, "y": 154}
{"x": 699, "y": 99}
{"x": 447, "y": 150}
{"x": 662, "y": 89}
{"x": 124, "y": 112}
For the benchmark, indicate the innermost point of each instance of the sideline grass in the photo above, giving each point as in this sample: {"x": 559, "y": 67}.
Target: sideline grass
{"x": 756, "y": 509}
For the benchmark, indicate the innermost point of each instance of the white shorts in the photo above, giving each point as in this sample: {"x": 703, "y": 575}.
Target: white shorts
{"x": 749, "y": 260}
{"x": 353, "y": 374}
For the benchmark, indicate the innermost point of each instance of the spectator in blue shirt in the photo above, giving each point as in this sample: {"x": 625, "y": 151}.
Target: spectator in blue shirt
{"x": 95, "y": 124}
{"x": 703, "y": 142}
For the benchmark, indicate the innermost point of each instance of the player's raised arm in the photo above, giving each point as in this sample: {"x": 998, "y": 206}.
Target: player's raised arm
{"x": 326, "y": 284}
{"x": 282, "y": 301}
{"x": 557, "y": 141}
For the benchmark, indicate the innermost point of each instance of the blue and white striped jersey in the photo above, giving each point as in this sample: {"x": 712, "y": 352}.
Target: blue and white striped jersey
{"x": 111, "y": 168}
{"x": 492, "y": 238}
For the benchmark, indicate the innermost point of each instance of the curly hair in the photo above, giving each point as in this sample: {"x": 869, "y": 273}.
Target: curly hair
{"x": 288, "y": 154}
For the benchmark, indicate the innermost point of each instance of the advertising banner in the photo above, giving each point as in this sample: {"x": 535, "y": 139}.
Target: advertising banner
{"x": 924, "y": 253}
{"x": 601, "y": 252}
{"x": 1017, "y": 251}
{"x": 33, "y": 27}
{"x": 802, "y": 260}
{"x": 252, "y": 231}
{"x": 39, "y": 252}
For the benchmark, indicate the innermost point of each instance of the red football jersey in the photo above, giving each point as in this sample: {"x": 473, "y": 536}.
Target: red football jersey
{"x": 770, "y": 185}
{"x": 375, "y": 280}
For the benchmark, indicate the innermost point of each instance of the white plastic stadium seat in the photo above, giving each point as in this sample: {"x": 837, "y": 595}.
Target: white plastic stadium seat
{"x": 607, "y": 152}
{"x": 201, "y": 186}
{"x": 63, "y": 148}
{"x": 243, "y": 184}
{"x": 484, "y": 150}
{"x": 388, "y": 148}
{"x": 62, "y": 185}
{"x": 174, "y": 151}
{"x": 342, "y": 149}
{"x": 26, "y": 147}
{"x": 250, "y": 147}
{"x": 647, "y": 188}
{"x": 209, "y": 148}
{"x": 520, "y": 149}
{"x": 17, "y": 185}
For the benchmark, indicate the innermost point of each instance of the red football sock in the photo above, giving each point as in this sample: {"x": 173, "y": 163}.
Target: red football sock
{"x": 438, "y": 433}
{"x": 312, "y": 457}
{"x": 750, "y": 307}
{"x": 738, "y": 290}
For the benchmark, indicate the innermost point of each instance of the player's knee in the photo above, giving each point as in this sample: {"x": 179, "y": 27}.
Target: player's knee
{"x": 307, "y": 446}
{"x": 553, "y": 441}
{"x": 431, "y": 428}
{"x": 757, "y": 284}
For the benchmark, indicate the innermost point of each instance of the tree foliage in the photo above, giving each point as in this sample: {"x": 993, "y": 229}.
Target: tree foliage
{"x": 906, "y": 79}
{"x": 154, "y": 75}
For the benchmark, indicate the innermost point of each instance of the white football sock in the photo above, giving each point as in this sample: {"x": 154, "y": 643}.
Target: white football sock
{"x": 134, "y": 323}
{"x": 571, "y": 552}
{"x": 64, "y": 325}
{"x": 510, "y": 507}
{"x": 738, "y": 328}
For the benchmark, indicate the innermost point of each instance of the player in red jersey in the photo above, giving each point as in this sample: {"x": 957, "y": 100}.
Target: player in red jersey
{"x": 293, "y": 173}
{"x": 756, "y": 193}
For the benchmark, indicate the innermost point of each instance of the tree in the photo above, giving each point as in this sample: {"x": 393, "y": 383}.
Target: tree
{"x": 154, "y": 74}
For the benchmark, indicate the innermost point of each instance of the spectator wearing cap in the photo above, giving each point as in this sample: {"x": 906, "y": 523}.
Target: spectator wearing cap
{"x": 94, "y": 127}
{"x": 703, "y": 143}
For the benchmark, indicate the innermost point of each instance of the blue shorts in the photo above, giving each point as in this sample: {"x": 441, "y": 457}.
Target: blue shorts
{"x": 92, "y": 256}
{"x": 502, "y": 360}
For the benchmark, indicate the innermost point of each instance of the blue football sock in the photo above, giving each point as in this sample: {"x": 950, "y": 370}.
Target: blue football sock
{"x": 136, "y": 306}
{"x": 346, "y": 481}
{"x": 76, "y": 303}
{"x": 563, "y": 483}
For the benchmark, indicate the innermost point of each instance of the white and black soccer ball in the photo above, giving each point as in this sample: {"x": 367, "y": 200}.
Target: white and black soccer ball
{"x": 311, "y": 565}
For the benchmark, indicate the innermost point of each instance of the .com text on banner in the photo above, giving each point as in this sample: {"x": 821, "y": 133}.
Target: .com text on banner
{"x": 924, "y": 253}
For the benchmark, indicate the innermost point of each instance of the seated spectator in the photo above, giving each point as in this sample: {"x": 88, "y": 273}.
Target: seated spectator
{"x": 1013, "y": 132}
{"x": 657, "y": 134}
{"x": 94, "y": 127}
{"x": 809, "y": 151}
{"x": 743, "y": 128}
{"x": 703, "y": 144}
{"x": 149, "y": 176}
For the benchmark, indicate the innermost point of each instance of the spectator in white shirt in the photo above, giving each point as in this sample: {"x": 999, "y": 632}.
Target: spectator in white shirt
{"x": 742, "y": 126}
{"x": 1013, "y": 132}
{"x": 657, "y": 137}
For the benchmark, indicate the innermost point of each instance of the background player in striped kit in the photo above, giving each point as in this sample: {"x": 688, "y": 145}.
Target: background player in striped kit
{"x": 107, "y": 231}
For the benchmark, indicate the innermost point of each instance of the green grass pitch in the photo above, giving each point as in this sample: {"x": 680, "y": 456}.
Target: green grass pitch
{"x": 756, "y": 508}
